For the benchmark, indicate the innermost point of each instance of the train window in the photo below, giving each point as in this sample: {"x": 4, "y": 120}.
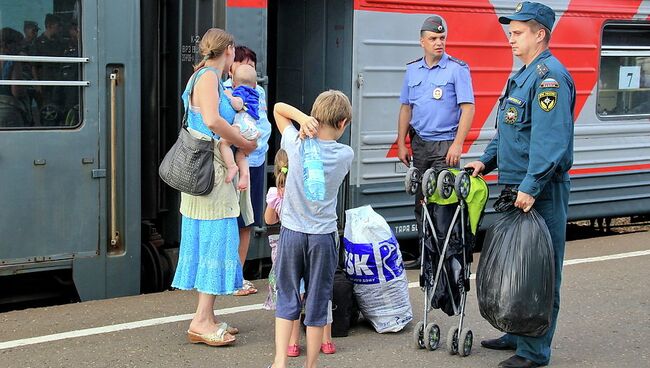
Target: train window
{"x": 40, "y": 64}
{"x": 624, "y": 83}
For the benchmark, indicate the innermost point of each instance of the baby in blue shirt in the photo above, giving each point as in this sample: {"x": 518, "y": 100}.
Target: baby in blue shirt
{"x": 244, "y": 99}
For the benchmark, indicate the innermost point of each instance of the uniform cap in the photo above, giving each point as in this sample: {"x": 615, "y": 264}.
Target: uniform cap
{"x": 434, "y": 23}
{"x": 31, "y": 24}
{"x": 528, "y": 11}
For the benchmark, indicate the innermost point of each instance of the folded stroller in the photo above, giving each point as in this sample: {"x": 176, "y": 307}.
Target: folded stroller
{"x": 452, "y": 209}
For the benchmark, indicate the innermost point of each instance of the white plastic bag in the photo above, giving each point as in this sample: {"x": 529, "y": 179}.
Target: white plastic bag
{"x": 373, "y": 262}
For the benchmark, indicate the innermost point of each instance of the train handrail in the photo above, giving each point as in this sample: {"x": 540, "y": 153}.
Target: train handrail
{"x": 115, "y": 234}
{"x": 44, "y": 59}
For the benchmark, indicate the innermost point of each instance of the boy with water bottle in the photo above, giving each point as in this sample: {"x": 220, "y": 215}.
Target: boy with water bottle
{"x": 308, "y": 234}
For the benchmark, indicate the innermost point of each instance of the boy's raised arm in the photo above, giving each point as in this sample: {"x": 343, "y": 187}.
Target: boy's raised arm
{"x": 285, "y": 113}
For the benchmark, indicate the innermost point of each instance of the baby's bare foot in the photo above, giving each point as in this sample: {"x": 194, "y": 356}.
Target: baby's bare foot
{"x": 244, "y": 180}
{"x": 231, "y": 172}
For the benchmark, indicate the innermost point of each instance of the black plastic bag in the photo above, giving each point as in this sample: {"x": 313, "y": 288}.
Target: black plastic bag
{"x": 516, "y": 274}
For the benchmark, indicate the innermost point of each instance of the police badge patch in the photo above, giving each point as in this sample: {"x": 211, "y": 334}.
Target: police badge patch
{"x": 511, "y": 116}
{"x": 547, "y": 100}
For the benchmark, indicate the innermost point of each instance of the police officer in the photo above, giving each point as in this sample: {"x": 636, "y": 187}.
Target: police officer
{"x": 437, "y": 105}
{"x": 533, "y": 149}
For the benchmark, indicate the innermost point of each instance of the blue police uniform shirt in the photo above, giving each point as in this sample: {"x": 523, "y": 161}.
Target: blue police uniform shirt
{"x": 258, "y": 157}
{"x": 434, "y": 94}
{"x": 534, "y": 140}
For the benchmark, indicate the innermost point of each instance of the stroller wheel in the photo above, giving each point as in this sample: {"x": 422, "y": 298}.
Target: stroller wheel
{"x": 412, "y": 180}
{"x": 462, "y": 185}
{"x": 432, "y": 336}
{"x": 445, "y": 184}
{"x": 429, "y": 183}
{"x": 465, "y": 341}
{"x": 452, "y": 340}
{"x": 418, "y": 335}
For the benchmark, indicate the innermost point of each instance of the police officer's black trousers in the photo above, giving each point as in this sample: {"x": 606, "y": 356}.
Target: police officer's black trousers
{"x": 552, "y": 204}
{"x": 427, "y": 154}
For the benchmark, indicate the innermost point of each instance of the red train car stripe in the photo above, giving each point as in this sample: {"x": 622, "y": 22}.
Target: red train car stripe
{"x": 247, "y": 3}
{"x": 576, "y": 40}
{"x": 592, "y": 170}
{"x": 471, "y": 44}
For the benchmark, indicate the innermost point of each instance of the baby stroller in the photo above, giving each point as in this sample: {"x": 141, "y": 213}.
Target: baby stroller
{"x": 452, "y": 209}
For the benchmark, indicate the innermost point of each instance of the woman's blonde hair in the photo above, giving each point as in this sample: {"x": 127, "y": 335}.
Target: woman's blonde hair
{"x": 213, "y": 44}
{"x": 281, "y": 168}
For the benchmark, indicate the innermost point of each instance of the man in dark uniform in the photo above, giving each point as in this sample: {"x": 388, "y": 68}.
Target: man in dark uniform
{"x": 437, "y": 106}
{"x": 533, "y": 149}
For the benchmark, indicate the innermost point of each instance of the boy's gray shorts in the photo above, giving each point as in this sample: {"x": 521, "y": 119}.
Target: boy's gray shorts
{"x": 312, "y": 257}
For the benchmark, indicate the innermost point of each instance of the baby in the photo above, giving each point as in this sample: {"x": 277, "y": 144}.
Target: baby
{"x": 245, "y": 100}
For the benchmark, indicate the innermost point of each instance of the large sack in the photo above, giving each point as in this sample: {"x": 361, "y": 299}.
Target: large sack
{"x": 515, "y": 276}
{"x": 373, "y": 262}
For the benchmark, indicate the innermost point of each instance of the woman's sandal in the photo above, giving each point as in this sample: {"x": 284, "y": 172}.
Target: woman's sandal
{"x": 247, "y": 289}
{"x": 217, "y": 338}
{"x": 231, "y": 330}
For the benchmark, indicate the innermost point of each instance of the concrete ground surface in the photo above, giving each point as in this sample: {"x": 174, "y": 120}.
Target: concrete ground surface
{"x": 604, "y": 322}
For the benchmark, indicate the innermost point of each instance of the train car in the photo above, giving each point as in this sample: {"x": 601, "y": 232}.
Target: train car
{"x": 90, "y": 104}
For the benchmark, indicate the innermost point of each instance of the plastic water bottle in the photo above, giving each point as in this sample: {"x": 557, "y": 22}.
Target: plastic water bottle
{"x": 313, "y": 174}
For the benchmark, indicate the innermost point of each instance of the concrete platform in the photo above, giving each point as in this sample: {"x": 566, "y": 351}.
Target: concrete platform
{"x": 604, "y": 322}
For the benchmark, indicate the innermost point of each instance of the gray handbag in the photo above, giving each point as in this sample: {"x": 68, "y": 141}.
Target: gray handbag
{"x": 189, "y": 166}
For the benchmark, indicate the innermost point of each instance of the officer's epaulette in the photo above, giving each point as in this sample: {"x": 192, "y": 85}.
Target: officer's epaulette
{"x": 414, "y": 61}
{"x": 457, "y": 60}
{"x": 541, "y": 70}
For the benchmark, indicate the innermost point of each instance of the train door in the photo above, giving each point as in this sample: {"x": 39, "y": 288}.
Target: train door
{"x": 310, "y": 51}
{"x": 50, "y": 169}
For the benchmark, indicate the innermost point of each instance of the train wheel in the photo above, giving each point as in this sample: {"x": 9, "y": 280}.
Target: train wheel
{"x": 452, "y": 340}
{"x": 432, "y": 336}
{"x": 166, "y": 268}
{"x": 151, "y": 277}
{"x": 418, "y": 335}
{"x": 465, "y": 341}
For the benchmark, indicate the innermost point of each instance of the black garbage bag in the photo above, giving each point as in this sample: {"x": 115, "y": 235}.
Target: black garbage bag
{"x": 516, "y": 274}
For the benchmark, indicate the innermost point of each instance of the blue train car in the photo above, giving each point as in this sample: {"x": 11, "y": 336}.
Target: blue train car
{"x": 89, "y": 105}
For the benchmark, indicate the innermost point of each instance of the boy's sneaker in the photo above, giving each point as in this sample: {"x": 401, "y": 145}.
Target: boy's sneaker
{"x": 328, "y": 348}
{"x": 293, "y": 351}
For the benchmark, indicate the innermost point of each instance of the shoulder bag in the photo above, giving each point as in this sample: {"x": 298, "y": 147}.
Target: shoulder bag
{"x": 189, "y": 166}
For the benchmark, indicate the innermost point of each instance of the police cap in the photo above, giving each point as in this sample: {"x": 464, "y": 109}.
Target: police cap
{"x": 527, "y": 10}
{"x": 31, "y": 24}
{"x": 434, "y": 23}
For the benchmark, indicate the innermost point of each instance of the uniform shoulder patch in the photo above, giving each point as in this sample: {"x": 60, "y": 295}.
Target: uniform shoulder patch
{"x": 414, "y": 61}
{"x": 547, "y": 100}
{"x": 541, "y": 70}
{"x": 456, "y": 60}
{"x": 549, "y": 83}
